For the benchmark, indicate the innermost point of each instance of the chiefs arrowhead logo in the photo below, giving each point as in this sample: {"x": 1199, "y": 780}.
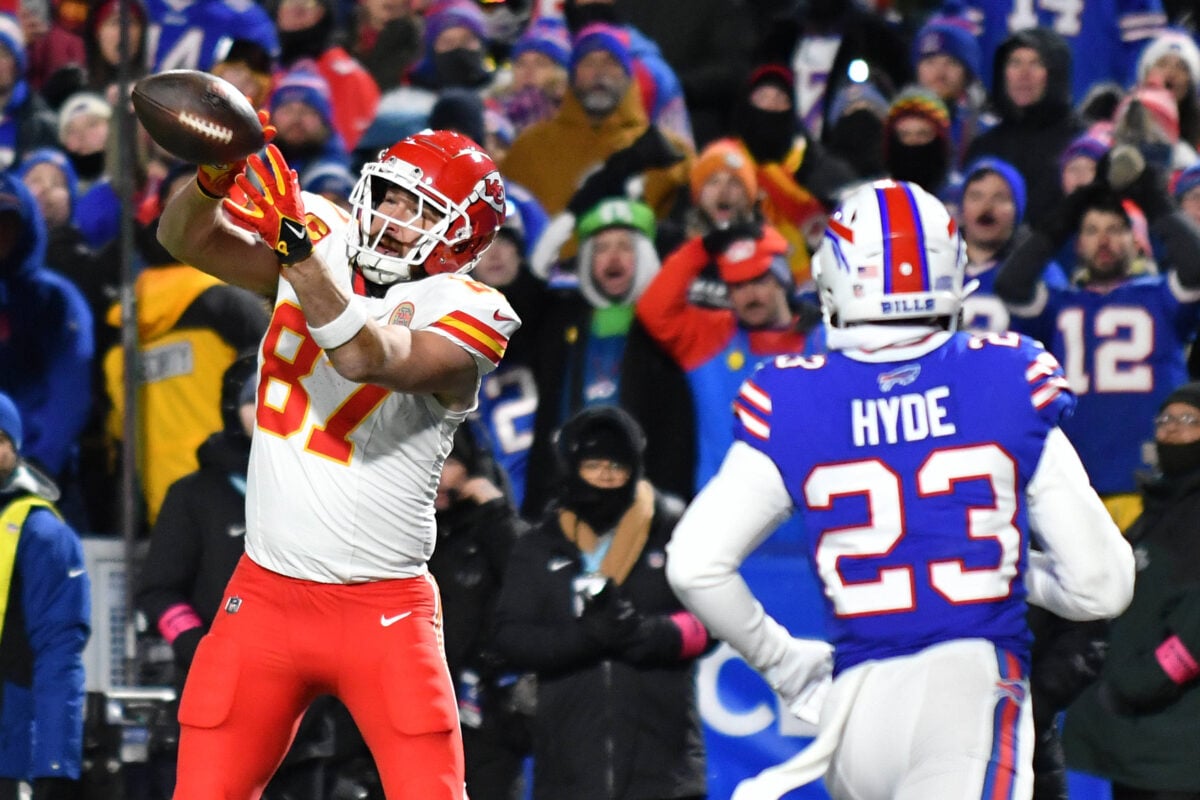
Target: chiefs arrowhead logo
{"x": 490, "y": 189}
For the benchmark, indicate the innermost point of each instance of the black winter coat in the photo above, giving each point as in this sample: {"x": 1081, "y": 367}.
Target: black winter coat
{"x": 604, "y": 729}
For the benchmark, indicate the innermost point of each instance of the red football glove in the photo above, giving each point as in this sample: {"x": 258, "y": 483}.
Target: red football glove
{"x": 215, "y": 180}
{"x": 277, "y": 212}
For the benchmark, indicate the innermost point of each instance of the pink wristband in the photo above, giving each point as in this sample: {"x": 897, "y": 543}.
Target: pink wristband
{"x": 1176, "y": 661}
{"x": 694, "y": 635}
{"x": 177, "y": 619}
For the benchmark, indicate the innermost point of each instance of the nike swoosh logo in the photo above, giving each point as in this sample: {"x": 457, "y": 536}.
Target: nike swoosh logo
{"x": 75, "y": 573}
{"x": 557, "y": 564}
{"x": 496, "y": 315}
{"x": 386, "y": 621}
{"x": 300, "y": 232}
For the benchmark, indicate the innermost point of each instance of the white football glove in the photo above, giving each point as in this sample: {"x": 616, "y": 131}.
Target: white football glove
{"x": 803, "y": 677}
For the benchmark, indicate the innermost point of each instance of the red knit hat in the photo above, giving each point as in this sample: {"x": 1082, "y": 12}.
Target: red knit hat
{"x": 1161, "y": 105}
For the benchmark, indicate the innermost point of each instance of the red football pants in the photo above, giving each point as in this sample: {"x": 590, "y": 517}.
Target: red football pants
{"x": 278, "y": 642}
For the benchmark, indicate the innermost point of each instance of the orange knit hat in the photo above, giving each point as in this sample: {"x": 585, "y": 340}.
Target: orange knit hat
{"x": 728, "y": 155}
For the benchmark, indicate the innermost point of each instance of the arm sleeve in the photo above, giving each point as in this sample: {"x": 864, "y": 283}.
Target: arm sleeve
{"x": 684, "y": 330}
{"x": 169, "y": 573}
{"x": 739, "y": 508}
{"x": 1085, "y": 570}
{"x": 1180, "y": 237}
{"x": 52, "y": 427}
{"x": 1018, "y": 283}
{"x": 57, "y": 602}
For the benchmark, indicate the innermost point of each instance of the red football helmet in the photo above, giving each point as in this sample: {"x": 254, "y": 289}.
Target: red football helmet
{"x": 445, "y": 171}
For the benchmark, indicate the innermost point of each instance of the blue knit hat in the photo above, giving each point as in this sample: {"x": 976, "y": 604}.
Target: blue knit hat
{"x": 1007, "y": 172}
{"x": 305, "y": 86}
{"x": 1088, "y": 145}
{"x": 599, "y": 36}
{"x": 950, "y": 36}
{"x": 1186, "y": 181}
{"x": 10, "y": 421}
{"x": 548, "y": 36}
{"x": 454, "y": 14}
{"x": 328, "y": 177}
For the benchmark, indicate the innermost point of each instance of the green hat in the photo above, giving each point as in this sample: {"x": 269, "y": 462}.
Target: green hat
{"x": 616, "y": 212}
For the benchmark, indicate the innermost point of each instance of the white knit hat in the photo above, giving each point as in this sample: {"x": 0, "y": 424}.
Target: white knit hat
{"x": 1171, "y": 42}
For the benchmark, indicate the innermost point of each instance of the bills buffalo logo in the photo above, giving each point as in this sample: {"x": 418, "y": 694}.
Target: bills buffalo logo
{"x": 402, "y": 315}
{"x": 490, "y": 190}
{"x": 901, "y": 376}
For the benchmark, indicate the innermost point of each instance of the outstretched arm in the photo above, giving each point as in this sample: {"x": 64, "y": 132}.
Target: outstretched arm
{"x": 361, "y": 350}
{"x": 195, "y": 230}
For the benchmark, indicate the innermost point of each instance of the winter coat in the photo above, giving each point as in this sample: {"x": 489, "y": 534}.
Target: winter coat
{"x": 1153, "y": 741}
{"x": 605, "y": 728}
{"x": 46, "y": 626}
{"x": 1032, "y": 138}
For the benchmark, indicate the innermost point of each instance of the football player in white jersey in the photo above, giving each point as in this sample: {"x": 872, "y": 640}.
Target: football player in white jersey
{"x": 373, "y": 357}
{"x": 922, "y": 461}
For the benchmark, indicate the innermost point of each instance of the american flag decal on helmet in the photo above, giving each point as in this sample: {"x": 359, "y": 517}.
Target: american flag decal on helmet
{"x": 753, "y": 408}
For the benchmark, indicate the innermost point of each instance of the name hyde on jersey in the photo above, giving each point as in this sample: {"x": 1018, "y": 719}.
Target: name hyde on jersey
{"x": 908, "y": 417}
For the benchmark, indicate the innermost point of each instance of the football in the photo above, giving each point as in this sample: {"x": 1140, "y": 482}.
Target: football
{"x": 197, "y": 117}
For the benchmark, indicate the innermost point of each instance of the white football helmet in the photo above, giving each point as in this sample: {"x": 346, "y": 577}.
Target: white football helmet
{"x": 891, "y": 252}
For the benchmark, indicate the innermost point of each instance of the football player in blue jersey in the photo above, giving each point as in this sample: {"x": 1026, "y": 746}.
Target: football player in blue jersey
{"x": 923, "y": 462}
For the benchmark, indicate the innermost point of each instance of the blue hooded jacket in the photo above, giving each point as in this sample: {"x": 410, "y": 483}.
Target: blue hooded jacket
{"x": 46, "y": 335}
{"x": 46, "y": 625}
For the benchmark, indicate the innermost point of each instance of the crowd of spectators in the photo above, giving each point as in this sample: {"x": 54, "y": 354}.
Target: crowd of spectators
{"x": 670, "y": 166}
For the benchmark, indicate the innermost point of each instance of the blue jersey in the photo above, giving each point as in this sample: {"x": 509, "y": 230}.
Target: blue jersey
{"x": 508, "y": 401}
{"x": 910, "y": 479}
{"x": 197, "y": 35}
{"x": 1123, "y": 353}
{"x": 1106, "y": 36}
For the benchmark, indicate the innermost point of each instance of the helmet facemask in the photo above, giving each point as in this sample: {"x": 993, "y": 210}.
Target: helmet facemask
{"x": 364, "y": 247}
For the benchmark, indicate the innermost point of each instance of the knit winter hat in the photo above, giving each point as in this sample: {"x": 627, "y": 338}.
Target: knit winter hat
{"x": 599, "y": 36}
{"x": 454, "y": 14}
{"x": 81, "y": 104}
{"x": 1159, "y": 103}
{"x": 1185, "y": 181}
{"x": 617, "y": 212}
{"x": 13, "y": 38}
{"x": 1089, "y": 145}
{"x": 855, "y": 96}
{"x": 460, "y": 110}
{"x": 726, "y": 155}
{"x": 1188, "y": 393}
{"x": 747, "y": 259}
{"x": 951, "y": 36}
{"x": 307, "y": 87}
{"x": 919, "y": 102}
{"x": 773, "y": 75}
{"x": 548, "y": 36}
{"x": 989, "y": 165}
{"x": 328, "y": 177}
{"x": 10, "y": 421}
{"x": 1171, "y": 42}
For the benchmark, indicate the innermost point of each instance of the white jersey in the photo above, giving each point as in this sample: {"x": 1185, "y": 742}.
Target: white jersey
{"x": 343, "y": 475}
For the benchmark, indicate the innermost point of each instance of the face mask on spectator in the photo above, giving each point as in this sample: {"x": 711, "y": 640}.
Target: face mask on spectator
{"x": 460, "y": 67}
